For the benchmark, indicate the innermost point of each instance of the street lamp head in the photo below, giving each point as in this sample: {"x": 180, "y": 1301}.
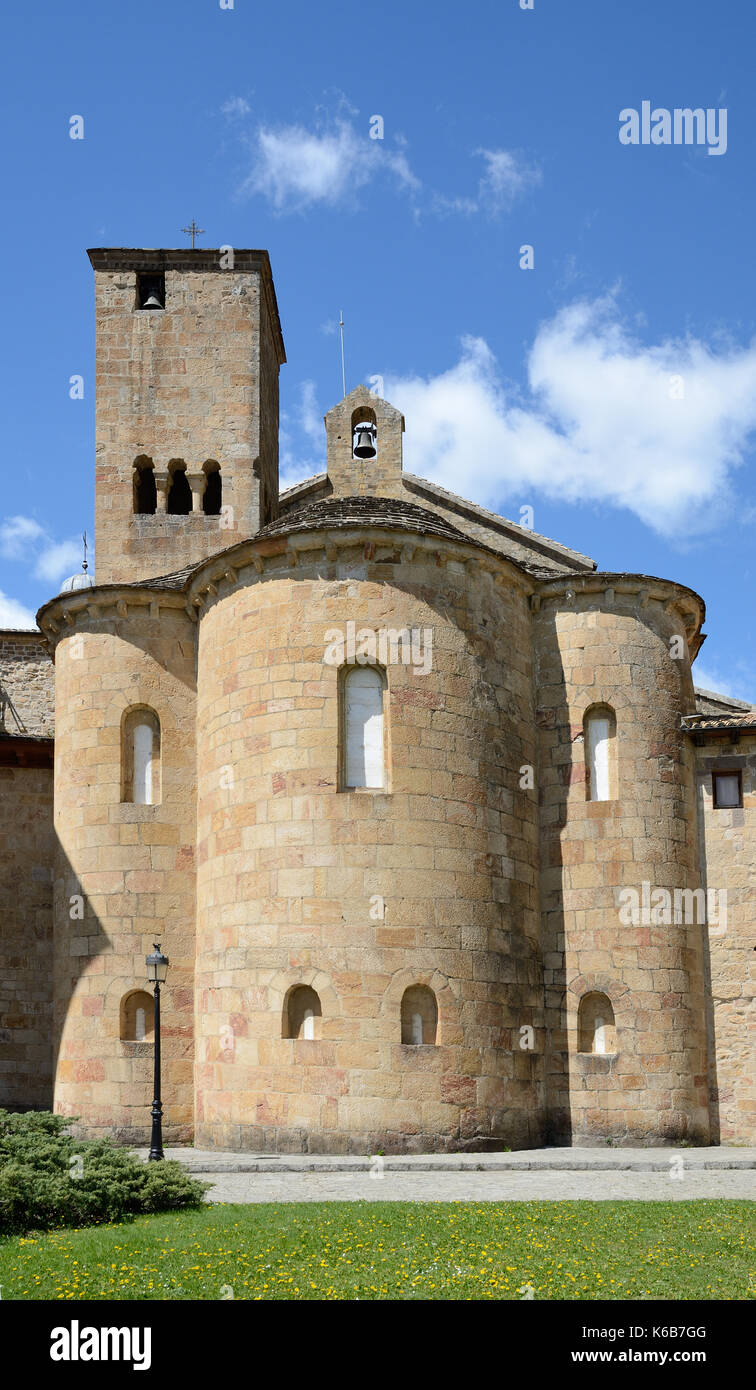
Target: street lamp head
{"x": 157, "y": 965}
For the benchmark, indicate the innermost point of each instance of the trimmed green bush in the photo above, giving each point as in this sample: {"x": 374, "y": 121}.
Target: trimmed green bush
{"x": 49, "y": 1179}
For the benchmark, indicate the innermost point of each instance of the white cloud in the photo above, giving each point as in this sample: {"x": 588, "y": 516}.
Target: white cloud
{"x": 236, "y": 107}
{"x": 17, "y": 535}
{"x": 24, "y": 539}
{"x": 506, "y": 179}
{"x": 739, "y": 684}
{"x": 465, "y": 207}
{"x": 301, "y": 439}
{"x": 295, "y": 168}
{"x": 311, "y": 419}
{"x": 14, "y": 614}
{"x": 601, "y": 422}
{"x": 56, "y": 561}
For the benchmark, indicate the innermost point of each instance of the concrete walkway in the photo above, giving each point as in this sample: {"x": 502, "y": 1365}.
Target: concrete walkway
{"x": 601, "y": 1174}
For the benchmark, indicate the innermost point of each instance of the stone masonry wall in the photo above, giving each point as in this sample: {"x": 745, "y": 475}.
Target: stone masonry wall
{"x": 27, "y": 681}
{"x": 187, "y": 383}
{"x": 612, "y": 647}
{"x": 290, "y": 867}
{"x": 124, "y": 874}
{"x": 26, "y": 947}
{"x": 729, "y": 854}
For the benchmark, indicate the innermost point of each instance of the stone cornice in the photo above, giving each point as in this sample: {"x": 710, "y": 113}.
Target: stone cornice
{"x": 276, "y": 555}
{"x": 61, "y": 615}
{"x": 253, "y": 559}
{"x": 645, "y": 588}
{"x": 256, "y": 558}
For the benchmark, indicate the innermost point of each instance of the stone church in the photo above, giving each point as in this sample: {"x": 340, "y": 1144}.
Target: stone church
{"x": 444, "y": 847}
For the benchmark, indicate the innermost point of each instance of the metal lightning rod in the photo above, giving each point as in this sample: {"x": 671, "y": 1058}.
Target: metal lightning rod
{"x": 341, "y": 330}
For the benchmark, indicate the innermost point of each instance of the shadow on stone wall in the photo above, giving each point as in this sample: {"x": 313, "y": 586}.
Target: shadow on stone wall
{"x": 553, "y": 777}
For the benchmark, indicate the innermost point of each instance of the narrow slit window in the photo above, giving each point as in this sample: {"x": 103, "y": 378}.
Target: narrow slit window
{"x": 363, "y": 725}
{"x": 144, "y": 741}
{"x": 599, "y": 737}
{"x": 141, "y": 758}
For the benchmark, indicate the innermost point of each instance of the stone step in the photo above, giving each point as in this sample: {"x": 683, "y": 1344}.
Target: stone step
{"x": 654, "y": 1160}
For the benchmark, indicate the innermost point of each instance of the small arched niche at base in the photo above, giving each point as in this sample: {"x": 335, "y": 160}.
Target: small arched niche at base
{"x": 302, "y": 1014}
{"x": 137, "y": 1017}
{"x": 419, "y": 1016}
{"x": 597, "y": 1030}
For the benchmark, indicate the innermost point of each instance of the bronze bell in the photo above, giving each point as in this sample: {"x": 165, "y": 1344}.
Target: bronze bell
{"x": 365, "y": 448}
{"x": 152, "y": 303}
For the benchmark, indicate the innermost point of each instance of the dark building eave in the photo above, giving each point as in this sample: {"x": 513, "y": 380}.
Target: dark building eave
{"x": 26, "y": 750}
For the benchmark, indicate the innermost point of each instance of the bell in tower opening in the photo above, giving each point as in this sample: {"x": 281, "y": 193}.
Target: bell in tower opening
{"x": 364, "y": 441}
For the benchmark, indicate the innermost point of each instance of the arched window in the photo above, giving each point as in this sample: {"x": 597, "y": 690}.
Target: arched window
{"x": 419, "y": 1016}
{"x": 364, "y": 433}
{"x": 302, "y": 1014}
{"x": 597, "y": 1032}
{"x": 137, "y": 1017}
{"x": 364, "y": 754}
{"x": 600, "y": 740}
{"x": 212, "y": 498}
{"x": 179, "y": 501}
{"x": 140, "y": 744}
{"x": 145, "y": 492}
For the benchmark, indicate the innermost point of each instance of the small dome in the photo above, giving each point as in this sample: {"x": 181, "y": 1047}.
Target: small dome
{"x": 77, "y": 581}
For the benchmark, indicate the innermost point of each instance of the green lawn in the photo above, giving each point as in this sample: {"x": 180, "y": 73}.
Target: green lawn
{"x": 375, "y": 1250}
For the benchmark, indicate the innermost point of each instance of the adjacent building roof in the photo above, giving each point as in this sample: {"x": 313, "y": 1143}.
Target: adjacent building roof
{"x": 715, "y": 713}
{"x": 709, "y": 702}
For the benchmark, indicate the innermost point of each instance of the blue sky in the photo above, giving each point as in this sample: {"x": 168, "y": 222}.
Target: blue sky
{"x": 612, "y": 388}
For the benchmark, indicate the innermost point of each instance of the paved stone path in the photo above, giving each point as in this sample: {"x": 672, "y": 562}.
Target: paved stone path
{"x": 657, "y": 1174}
{"x": 547, "y": 1186}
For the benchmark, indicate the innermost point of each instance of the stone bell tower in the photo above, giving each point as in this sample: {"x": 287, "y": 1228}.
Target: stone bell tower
{"x": 374, "y": 470}
{"x": 189, "y": 347}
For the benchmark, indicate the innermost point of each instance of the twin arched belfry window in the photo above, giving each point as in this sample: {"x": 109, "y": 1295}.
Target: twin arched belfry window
{"x": 179, "y": 500}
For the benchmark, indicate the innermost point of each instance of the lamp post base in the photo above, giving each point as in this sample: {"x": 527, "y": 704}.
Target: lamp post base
{"x": 156, "y": 1141}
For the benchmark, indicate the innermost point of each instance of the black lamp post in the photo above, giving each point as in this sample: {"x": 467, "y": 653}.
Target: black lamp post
{"x": 157, "y": 969}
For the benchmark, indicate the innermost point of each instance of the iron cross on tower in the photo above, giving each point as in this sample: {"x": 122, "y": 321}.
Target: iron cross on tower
{"x": 193, "y": 230}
